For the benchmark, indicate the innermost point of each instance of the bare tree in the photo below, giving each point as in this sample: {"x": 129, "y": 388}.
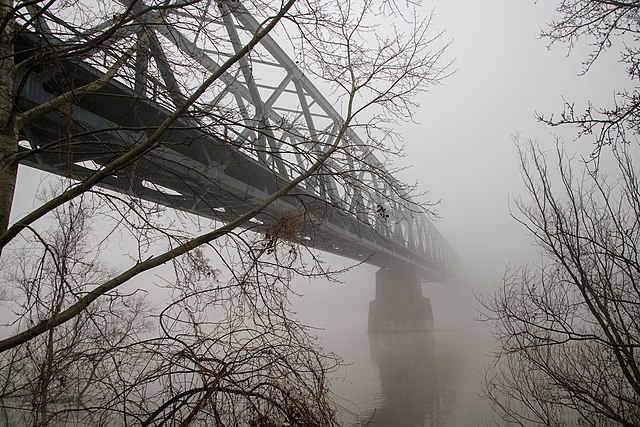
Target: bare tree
{"x": 90, "y": 343}
{"x": 604, "y": 25}
{"x": 567, "y": 329}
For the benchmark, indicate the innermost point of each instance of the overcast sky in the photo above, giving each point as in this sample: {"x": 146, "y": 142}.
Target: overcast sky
{"x": 462, "y": 148}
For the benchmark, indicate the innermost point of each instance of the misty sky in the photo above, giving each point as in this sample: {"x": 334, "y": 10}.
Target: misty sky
{"x": 462, "y": 148}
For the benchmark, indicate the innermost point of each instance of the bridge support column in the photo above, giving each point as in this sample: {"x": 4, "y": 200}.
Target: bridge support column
{"x": 399, "y": 304}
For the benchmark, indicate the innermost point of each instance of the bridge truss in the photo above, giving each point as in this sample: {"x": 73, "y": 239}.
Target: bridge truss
{"x": 260, "y": 125}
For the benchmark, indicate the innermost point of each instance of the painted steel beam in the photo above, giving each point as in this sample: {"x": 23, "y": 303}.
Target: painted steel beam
{"x": 215, "y": 176}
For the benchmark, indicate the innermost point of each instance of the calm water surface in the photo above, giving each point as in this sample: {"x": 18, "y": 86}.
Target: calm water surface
{"x": 404, "y": 379}
{"x": 412, "y": 379}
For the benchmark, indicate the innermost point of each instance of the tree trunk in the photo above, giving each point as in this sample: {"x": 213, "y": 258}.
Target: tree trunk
{"x": 8, "y": 133}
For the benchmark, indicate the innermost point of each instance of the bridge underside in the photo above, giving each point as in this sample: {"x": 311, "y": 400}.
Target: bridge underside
{"x": 191, "y": 170}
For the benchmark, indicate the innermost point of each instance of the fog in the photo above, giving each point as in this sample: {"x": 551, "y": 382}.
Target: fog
{"x": 463, "y": 152}
{"x": 463, "y": 149}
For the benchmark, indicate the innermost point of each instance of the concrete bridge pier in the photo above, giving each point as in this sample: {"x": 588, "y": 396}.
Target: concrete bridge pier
{"x": 399, "y": 304}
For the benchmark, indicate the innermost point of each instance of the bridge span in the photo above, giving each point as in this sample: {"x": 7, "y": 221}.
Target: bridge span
{"x": 266, "y": 131}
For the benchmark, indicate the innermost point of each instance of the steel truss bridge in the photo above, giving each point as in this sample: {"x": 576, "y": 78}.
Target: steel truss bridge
{"x": 270, "y": 124}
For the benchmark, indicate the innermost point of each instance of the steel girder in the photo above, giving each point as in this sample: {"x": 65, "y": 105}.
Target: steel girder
{"x": 277, "y": 128}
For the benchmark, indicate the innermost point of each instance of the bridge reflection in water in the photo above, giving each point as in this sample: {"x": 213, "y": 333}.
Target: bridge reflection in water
{"x": 429, "y": 379}
{"x": 416, "y": 390}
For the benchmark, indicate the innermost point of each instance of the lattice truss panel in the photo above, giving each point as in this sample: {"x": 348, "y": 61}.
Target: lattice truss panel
{"x": 261, "y": 124}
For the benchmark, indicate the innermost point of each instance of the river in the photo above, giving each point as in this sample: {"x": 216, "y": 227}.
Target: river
{"x": 403, "y": 379}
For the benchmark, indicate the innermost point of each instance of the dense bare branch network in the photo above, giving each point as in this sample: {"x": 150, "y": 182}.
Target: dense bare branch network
{"x": 605, "y": 25}
{"x": 568, "y": 329}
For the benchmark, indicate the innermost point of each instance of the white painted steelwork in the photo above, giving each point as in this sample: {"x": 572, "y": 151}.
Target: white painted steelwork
{"x": 260, "y": 126}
